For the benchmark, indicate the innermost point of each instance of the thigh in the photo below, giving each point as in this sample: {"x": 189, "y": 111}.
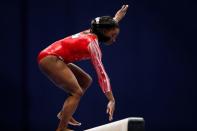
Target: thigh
{"x": 59, "y": 73}
{"x": 84, "y": 79}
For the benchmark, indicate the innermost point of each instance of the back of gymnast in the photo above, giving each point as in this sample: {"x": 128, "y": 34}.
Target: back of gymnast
{"x": 56, "y": 62}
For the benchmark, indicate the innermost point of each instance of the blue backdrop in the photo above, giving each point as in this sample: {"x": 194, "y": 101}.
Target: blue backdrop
{"x": 152, "y": 66}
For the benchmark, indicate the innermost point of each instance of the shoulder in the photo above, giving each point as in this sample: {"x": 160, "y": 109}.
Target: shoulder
{"x": 88, "y": 36}
{"x": 83, "y": 36}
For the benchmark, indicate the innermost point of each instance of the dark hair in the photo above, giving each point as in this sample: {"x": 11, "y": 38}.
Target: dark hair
{"x": 99, "y": 24}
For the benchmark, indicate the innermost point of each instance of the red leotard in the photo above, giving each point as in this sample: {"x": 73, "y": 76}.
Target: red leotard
{"x": 78, "y": 47}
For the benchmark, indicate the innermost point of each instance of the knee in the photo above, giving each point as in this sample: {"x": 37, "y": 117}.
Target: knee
{"x": 78, "y": 93}
{"x": 75, "y": 90}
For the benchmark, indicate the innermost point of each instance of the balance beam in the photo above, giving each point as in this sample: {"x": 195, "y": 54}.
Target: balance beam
{"x": 128, "y": 124}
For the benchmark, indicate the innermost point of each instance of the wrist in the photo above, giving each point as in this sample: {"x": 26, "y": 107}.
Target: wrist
{"x": 112, "y": 100}
{"x": 116, "y": 19}
{"x": 110, "y": 96}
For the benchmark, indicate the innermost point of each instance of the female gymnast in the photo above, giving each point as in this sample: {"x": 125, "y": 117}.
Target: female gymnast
{"x": 56, "y": 62}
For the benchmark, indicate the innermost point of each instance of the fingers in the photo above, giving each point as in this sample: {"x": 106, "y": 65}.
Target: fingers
{"x": 110, "y": 109}
{"x": 110, "y": 112}
{"x": 124, "y": 7}
{"x": 111, "y": 115}
{"x": 107, "y": 111}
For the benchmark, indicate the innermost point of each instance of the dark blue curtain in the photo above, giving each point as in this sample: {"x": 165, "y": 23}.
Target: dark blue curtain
{"x": 152, "y": 66}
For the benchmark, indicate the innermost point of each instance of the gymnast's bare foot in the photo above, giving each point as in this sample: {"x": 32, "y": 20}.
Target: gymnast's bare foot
{"x": 72, "y": 121}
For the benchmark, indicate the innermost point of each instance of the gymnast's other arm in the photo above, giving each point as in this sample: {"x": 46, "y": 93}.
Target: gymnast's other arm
{"x": 103, "y": 79}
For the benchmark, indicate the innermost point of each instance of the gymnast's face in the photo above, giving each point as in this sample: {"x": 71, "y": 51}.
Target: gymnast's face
{"x": 112, "y": 33}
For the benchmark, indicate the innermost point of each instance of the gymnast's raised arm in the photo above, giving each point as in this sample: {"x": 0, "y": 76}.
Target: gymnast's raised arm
{"x": 121, "y": 13}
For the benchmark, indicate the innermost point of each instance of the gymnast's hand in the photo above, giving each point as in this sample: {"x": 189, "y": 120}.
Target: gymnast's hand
{"x": 110, "y": 109}
{"x": 121, "y": 13}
